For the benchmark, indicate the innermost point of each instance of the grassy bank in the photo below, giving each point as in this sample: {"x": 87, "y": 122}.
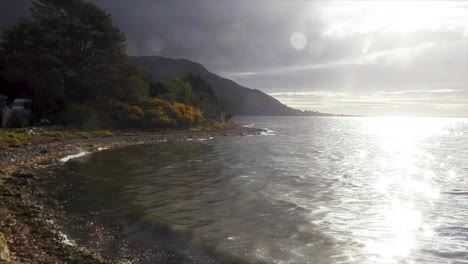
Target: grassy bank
{"x": 21, "y": 136}
{"x": 27, "y": 135}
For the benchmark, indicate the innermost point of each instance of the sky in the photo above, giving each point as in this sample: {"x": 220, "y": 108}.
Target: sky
{"x": 391, "y": 58}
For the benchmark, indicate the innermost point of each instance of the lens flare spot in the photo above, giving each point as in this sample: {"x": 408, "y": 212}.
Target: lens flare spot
{"x": 298, "y": 40}
{"x": 366, "y": 47}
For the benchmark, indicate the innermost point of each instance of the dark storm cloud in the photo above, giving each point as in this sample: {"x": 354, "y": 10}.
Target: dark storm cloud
{"x": 223, "y": 35}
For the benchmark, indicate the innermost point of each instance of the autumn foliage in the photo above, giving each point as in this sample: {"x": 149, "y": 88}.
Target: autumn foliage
{"x": 70, "y": 60}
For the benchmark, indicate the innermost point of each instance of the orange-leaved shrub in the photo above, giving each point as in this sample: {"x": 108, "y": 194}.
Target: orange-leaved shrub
{"x": 187, "y": 115}
{"x": 149, "y": 113}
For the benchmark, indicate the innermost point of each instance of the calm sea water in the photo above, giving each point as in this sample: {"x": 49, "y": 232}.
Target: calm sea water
{"x": 312, "y": 190}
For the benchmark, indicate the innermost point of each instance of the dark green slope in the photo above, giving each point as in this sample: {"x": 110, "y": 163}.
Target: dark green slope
{"x": 238, "y": 99}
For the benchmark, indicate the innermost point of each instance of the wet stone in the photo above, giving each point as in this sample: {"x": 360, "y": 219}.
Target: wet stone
{"x": 4, "y": 251}
{"x": 24, "y": 175}
{"x": 17, "y": 181}
{"x": 6, "y": 192}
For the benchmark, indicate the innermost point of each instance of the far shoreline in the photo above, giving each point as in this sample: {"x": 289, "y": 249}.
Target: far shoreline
{"x": 29, "y": 229}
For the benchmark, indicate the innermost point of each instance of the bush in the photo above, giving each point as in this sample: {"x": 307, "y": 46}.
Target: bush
{"x": 147, "y": 113}
{"x": 18, "y": 120}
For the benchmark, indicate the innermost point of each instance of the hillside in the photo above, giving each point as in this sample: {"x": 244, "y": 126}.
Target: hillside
{"x": 238, "y": 99}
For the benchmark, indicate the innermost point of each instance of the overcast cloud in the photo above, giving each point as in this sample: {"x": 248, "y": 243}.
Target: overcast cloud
{"x": 367, "y": 58}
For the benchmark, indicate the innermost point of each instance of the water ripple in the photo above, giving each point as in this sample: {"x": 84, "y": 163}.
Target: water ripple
{"x": 322, "y": 190}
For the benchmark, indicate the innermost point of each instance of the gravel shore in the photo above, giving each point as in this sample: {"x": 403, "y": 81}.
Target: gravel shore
{"x": 29, "y": 232}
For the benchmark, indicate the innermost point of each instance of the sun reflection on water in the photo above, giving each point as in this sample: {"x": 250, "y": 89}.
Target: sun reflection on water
{"x": 323, "y": 190}
{"x": 406, "y": 180}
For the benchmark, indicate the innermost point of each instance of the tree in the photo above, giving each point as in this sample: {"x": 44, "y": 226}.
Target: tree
{"x": 192, "y": 90}
{"x": 205, "y": 96}
{"x": 72, "y": 61}
{"x": 200, "y": 85}
{"x": 157, "y": 89}
{"x": 2, "y": 58}
{"x": 69, "y": 51}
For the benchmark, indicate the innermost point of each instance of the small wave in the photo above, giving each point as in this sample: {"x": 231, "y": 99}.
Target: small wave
{"x": 454, "y": 232}
{"x": 456, "y": 256}
{"x": 66, "y": 240}
{"x": 457, "y": 192}
{"x": 267, "y": 132}
{"x": 69, "y": 157}
{"x": 204, "y": 139}
{"x": 249, "y": 125}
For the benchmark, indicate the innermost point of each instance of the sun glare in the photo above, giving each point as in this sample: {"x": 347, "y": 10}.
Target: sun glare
{"x": 402, "y": 221}
{"x": 394, "y": 16}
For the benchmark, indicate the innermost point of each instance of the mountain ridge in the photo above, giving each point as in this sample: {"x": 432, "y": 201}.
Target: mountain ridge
{"x": 239, "y": 100}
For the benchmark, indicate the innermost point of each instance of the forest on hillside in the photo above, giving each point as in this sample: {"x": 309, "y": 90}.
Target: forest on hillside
{"x": 71, "y": 61}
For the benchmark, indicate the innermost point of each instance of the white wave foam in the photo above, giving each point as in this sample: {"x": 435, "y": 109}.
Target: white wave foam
{"x": 66, "y": 240}
{"x": 81, "y": 154}
{"x": 267, "y": 132}
{"x": 69, "y": 157}
{"x": 204, "y": 139}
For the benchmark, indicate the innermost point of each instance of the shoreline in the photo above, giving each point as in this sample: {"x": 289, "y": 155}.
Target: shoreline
{"x": 29, "y": 229}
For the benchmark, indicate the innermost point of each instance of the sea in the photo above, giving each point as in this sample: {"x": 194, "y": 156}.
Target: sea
{"x": 307, "y": 190}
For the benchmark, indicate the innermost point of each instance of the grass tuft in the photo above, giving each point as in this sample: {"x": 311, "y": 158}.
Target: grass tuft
{"x": 23, "y": 136}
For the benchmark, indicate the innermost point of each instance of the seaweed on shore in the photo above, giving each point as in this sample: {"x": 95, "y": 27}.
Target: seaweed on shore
{"x": 31, "y": 217}
{"x": 33, "y": 238}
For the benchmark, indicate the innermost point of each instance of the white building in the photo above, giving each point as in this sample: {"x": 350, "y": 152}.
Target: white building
{"x": 20, "y": 105}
